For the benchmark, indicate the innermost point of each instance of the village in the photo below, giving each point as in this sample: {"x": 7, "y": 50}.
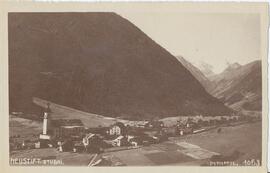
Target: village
{"x": 72, "y": 136}
{"x": 148, "y": 87}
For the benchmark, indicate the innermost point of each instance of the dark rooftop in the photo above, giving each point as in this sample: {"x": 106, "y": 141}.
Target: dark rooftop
{"x": 67, "y": 122}
{"x": 121, "y": 125}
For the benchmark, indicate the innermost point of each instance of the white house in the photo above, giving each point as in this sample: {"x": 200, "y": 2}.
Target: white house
{"x": 117, "y": 141}
{"x": 117, "y": 129}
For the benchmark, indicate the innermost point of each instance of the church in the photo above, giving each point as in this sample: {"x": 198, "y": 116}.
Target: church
{"x": 60, "y": 128}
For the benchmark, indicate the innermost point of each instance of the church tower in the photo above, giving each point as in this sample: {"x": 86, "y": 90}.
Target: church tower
{"x": 46, "y": 123}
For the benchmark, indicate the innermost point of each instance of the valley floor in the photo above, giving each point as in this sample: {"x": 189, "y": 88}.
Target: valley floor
{"x": 195, "y": 149}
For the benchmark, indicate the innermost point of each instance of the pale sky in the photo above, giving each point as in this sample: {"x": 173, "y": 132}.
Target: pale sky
{"x": 211, "y": 38}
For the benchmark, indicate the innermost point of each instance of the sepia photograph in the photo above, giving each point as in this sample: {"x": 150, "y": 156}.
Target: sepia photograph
{"x": 141, "y": 88}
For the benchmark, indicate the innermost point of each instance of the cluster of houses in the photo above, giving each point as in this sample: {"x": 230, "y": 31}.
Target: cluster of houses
{"x": 72, "y": 135}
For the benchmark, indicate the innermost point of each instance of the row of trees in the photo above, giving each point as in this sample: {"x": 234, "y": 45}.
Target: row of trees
{"x": 222, "y": 120}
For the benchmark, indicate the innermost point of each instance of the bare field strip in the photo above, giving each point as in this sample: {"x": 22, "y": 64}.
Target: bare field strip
{"x": 89, "y": 119}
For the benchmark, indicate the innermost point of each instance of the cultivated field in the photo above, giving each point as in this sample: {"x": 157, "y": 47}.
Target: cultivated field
{"x": 89, "y": 119}
{"x": 245, "y": 138}
{"x": 23, "y": 127}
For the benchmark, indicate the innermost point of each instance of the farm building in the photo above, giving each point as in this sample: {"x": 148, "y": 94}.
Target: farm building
{"x": 116, "y": 129}
{"x": 62, "y": 128}
{"x": 103, "y": 131}
{"x": 154, "y": 124}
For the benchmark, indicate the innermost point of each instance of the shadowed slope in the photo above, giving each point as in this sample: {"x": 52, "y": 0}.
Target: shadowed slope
{"x": 99, "y": 63}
